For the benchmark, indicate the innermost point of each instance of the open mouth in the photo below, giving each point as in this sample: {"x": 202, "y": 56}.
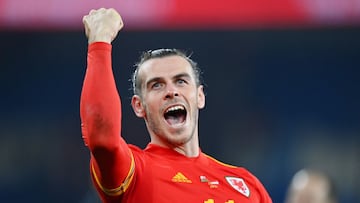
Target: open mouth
{"x": 175, "y": 115}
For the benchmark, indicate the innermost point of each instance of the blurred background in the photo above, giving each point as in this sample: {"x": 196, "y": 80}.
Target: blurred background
{"x": 282, "y": 87}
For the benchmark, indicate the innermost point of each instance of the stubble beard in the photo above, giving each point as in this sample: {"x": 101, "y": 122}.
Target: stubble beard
{"x": 174, "y": 138}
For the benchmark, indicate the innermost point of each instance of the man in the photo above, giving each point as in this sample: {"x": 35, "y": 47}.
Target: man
{"x": 168, "y": 96}
{"x": 310, "y": 186}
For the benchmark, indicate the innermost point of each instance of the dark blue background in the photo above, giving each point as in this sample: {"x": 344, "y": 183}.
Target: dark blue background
{"x": 277, "y": 101}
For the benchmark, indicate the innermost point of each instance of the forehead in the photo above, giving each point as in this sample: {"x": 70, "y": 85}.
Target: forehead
{"x": 163, "y": 67}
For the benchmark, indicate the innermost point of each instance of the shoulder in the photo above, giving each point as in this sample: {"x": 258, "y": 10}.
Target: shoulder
{"x": 137, "y": 153}
{"x": 214, "y": 161}
{"x": 236, "y": 175}
{"x": 240, "y": 176}
{"x": 134, "y": 148}
{"x": 234, "y": 171}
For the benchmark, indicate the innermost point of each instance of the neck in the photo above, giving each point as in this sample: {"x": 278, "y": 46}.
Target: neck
{"x": 190, "y": 148}
{"x": 188, "y": 151}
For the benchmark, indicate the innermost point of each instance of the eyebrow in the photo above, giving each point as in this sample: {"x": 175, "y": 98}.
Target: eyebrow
{"x": 180, "y": 75}
{"x": 152, "y": 80}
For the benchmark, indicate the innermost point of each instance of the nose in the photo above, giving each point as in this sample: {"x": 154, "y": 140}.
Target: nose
{"x": 171, "y": 93}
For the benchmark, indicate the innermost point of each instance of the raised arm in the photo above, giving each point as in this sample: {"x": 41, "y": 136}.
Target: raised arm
{"x": 112, "y": 163}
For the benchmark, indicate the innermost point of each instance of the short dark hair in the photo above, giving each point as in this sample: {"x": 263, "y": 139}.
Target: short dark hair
{"x": 159, "y": 53}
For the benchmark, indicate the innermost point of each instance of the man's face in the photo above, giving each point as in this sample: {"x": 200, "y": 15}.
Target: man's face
{"x": 170, "y": 100}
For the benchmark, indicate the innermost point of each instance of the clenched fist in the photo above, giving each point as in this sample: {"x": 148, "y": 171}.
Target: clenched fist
{"x": 102, "y": 25}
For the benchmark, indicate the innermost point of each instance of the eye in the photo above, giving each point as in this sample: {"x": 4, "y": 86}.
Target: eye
{"x": 156, "y": 85}
{"x": 181, "y": 81}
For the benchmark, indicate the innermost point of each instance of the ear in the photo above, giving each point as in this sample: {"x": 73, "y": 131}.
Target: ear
{"x": 137, "y": 106}
{"x": 201, "y": 97}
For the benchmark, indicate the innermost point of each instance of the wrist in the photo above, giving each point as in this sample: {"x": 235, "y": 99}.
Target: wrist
{"x": 104, "y": 46}
{"x": 99, "y": 38}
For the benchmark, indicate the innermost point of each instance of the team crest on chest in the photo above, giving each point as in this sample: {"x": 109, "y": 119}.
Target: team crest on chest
{"x": 239, "y": 185}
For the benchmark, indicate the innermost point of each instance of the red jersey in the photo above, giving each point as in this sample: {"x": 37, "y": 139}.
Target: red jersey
{"x": 125, "y": 173}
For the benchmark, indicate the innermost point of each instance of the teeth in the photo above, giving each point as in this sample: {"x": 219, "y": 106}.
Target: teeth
{"x": 175, "y": 108}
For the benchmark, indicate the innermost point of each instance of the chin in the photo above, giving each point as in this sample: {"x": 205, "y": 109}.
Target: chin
{"x": 178, "y": 139}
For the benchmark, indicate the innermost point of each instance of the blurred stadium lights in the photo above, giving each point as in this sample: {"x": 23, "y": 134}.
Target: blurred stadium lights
{"x": 182, "y": 14}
